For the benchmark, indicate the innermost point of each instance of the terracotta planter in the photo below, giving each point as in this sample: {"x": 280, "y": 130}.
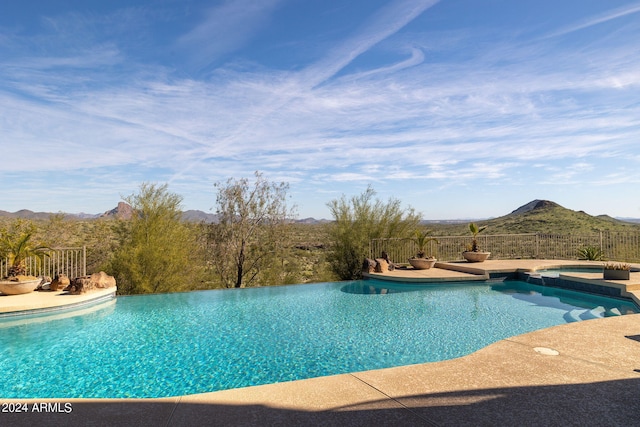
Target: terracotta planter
{"x": 422, "y": 263}
{"x": 9, "y": 287}
{"x": 616, "y": 274}
{"x": 472, "y": 256}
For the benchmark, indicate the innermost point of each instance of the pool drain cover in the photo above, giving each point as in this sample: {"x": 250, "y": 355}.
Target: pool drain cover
{"x": 546, "y": 351}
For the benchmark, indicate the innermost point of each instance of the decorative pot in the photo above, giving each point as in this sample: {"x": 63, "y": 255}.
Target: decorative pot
{"x": 616, "y": 274}
{"x": 422, "y": 263}
{"x": 472, "y": 256}
{"x": 10, "y": 287}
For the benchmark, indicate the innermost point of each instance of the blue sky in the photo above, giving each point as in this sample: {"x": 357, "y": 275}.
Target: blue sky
{"x": 459, "y": 108}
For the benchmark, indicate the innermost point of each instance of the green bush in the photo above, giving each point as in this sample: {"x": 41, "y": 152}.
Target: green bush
{"x": 591, "y": 253}
{"x": 358, "y": 221}
{"x": 157, "y": 251}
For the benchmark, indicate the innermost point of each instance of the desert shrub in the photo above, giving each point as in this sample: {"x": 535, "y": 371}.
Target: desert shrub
{"x": 591, "y": 253}
{"x": 359, "y": 220}
{"x": 157, "y": 250}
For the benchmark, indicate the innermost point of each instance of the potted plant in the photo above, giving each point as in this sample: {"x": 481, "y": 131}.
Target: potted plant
{"x": 420, "y": 261}
{"x": 473, "y": 252}
{"x": 16, "y": 245}
{"x": 616, "y": 271}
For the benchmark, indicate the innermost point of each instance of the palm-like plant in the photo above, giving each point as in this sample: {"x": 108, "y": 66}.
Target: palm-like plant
{"x": 475, "y": 230}
{"x": 16, "y": 244}
{"x": 421, "y": 237}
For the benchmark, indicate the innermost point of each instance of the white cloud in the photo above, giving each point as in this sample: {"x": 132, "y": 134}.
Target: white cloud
{"x": 605, "y": 17}
{"x": 382, "y": 25}
{"x": 509, "y": 107}
{"x": 225, "y": 28}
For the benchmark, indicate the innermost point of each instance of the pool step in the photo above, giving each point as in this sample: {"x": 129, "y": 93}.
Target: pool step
{"x": 573, "y": 316}
{"x": 595, "y": 313}
{"x": 614, "y": 312}
{"x": 576, "y": 315}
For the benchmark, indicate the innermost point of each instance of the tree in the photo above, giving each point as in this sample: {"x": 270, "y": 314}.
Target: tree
{"x": 17, "y": 244}
{"x": 246, "y": 245}
{"x": 156, "y": 247}
{"x": 359, "y": 220}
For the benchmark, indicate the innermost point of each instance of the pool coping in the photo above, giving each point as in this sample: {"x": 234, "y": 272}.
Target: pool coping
{"x": 49, "y": 301}
{"x": 594, "y": 376}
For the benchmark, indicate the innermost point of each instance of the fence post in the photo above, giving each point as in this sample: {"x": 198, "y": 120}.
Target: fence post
{"x": 601, "y": 247}
{"x": 84, "y": 260}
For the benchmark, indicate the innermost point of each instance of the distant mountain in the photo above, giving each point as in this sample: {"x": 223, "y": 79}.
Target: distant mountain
{"x": 122, "y": 211}
{"x": 448, "y": 221}
{"x": 634, "y": 220}
{"x": 544, "y": 216}
{"x": 312, "y": 221}
{"x": 26, "y": 214}
{"x": 537, "y": 216}
{"x": 125, "y": 211}
{"x": 83, "y": 215}
{"x": 535, "y": 204}
{"x": 199, "y": 216}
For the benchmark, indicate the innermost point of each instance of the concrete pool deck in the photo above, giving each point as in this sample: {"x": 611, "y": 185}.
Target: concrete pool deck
{"x": 35, "y": 302}
{"x": 585, "y": 373}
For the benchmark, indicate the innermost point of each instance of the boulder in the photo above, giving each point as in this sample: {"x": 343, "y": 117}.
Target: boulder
{"x": 369, "y": 265}
{"x": 84, "y": 284}
{"x": 385, "y": 256}
{"x": 382, "y": 266}
{"x": 45, "y": 283}
{"x": 60, "y": 282}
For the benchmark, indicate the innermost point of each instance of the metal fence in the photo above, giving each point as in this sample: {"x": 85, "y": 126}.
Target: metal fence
{"x": 71, "y": 261}
{"x": 619, "y": 246}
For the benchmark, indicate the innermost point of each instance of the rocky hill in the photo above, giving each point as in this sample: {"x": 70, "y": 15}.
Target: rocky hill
{"x": 535, "y": 204}
{"x": 122, "y": 211}
{"x": 543, "y": 216}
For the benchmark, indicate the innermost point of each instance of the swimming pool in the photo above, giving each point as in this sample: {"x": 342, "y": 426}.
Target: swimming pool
{"x": 185, "y": 343}
{"x": 555, "y": 272}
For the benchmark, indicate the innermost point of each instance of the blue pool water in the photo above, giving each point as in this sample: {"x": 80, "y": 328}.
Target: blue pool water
{"x": 555, "y": 272}
{"x": 185, "y": 343}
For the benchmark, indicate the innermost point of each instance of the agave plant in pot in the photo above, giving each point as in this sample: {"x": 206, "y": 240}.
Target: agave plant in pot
{"x": 473, "y": 252}
{"x": 421, "y": 261}
{"x": 16, "y": 245}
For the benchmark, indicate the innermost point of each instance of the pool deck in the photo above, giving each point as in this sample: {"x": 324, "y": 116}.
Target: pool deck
{"x": 584, "y": 373}
{"x": 49, "y": 301}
